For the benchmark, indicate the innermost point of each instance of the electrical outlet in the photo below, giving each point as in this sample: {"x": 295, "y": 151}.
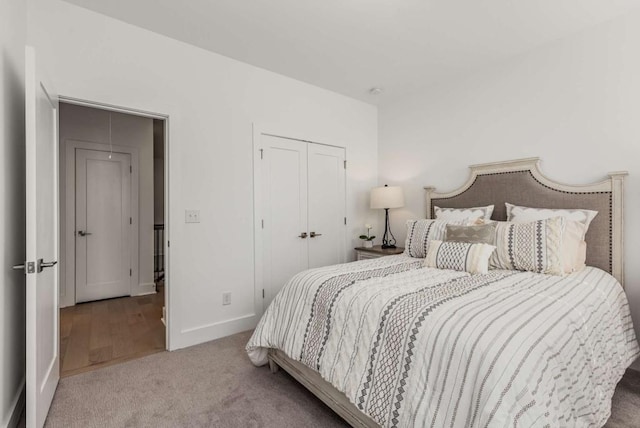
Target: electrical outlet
{"x": 192, "y": 216}
{"x": 226, "y": 298}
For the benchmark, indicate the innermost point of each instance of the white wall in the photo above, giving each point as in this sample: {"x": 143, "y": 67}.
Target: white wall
{"x": 90, "y": 125}
{"x": 574, "y": 103}
{"x": 13, "y": 20}
{"x": 212, "y": 102}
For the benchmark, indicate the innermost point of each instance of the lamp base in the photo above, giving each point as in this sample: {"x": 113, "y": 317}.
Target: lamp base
{"x": 388, "y": 240}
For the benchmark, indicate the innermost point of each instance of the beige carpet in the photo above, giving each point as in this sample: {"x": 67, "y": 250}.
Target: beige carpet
{"x": 215, "y": 385}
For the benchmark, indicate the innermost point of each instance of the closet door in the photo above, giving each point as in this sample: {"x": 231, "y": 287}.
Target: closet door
{"x": 326, "y": 172}
{"x": 284, "y": 210}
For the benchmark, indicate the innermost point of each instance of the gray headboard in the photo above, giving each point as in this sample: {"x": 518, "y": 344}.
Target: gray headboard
{"x": 520, "y": 182}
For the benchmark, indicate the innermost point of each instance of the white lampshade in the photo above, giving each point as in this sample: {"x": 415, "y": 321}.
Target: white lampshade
{"x": 387, "y": 197}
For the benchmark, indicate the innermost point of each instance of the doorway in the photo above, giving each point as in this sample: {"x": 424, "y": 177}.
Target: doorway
{"x": 113, "y": 197}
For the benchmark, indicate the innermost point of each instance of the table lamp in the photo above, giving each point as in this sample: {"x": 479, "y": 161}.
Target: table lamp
{"x": 385, "y": 198}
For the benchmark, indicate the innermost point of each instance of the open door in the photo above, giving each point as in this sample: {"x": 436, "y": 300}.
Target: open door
{"x": 43, "y": 356}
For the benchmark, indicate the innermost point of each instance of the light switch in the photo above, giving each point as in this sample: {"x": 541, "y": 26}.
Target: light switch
{"x": 192, "y": 216}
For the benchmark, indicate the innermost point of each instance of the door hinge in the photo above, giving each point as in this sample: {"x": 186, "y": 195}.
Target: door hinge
{"x": 168, "y": 244}
{"x": 263, "y": 293}
{"x": 130, "y": 169}
{"x": 345, "y": 221}
{"x": 261, "y": 153}
{"x": 130, "y": 220}
{"x": 345, "y": 164}
{"x": 130, "y": 272}
{"x": 262, "y": 221}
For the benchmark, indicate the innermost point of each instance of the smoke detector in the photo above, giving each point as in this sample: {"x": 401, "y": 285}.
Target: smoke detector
{"x": 375, "y": 91}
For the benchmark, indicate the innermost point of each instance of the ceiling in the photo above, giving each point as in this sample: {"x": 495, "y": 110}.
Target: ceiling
{"x": 350, "y": 46}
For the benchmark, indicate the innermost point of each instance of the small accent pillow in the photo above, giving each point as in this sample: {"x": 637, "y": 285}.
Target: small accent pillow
{"x": 463, "y": 213}
{"x": 421, "y": 232}
{"x": 460, "y": 256}
{"x": 534, "y": 247}
{"x": 475, "y": 234}
{"x": 516, "y": 214}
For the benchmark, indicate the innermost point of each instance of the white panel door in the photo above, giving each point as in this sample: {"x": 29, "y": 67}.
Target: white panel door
{"x": 43, "y": 356}
{"x": 103, "y": 225}
{"x": 326, "y": 204}
{"x": 284, "y": 205}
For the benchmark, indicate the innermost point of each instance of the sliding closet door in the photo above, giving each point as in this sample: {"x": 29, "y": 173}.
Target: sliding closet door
{"x": 326, "y": 172}
{"x": 284, "y": 207}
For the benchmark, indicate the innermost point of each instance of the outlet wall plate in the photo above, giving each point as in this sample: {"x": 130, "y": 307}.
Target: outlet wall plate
{"x": 226, "y": 298}
{"x": 192, "y": 216}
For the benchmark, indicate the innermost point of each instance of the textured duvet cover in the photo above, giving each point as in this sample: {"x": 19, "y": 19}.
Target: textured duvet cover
{"x": 413, "y": 346}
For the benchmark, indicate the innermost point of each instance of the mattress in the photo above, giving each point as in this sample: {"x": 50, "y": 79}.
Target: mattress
{"x": 414, "y": 346}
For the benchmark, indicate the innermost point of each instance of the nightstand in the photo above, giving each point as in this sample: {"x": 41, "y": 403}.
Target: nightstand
{"x": 363, "y": 253}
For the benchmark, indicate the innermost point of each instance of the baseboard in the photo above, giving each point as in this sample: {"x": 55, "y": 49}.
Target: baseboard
{"x": 17, "y": 407}
{"x": 144, "y": 289}
{"x": 205, "y": 333}
{"x": 66, "y": 301}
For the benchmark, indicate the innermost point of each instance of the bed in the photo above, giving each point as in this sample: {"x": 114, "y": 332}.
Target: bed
{"x": 388, "y": 342}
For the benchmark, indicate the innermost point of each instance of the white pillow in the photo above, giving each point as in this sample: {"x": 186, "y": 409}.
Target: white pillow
{"x": 574, "y": 247}
{"x": 460, "y": 256}
{"x": 463, "y": 213}
{"x": 517, "y": 214}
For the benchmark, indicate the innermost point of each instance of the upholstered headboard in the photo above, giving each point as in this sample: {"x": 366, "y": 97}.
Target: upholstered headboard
{"x": 520, "y": 182}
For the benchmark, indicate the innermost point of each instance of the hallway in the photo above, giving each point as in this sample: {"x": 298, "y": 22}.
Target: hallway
{"x": 106, "y": 332}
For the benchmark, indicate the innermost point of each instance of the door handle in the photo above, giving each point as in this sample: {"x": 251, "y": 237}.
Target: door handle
{"x": 30, "y": 267}
{"x": 27, "y": 267}
{"x": 313, "y": 234}
{"x": 83, "y": 233}
{"x": 303, "y": 235}
{"x": 42, "y": 264}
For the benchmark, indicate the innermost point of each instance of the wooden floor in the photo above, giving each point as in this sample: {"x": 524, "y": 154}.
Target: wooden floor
{"x": 106, "y": 332}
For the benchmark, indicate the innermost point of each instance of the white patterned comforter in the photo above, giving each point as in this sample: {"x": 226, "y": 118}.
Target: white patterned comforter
{"x": 413, "y": 346}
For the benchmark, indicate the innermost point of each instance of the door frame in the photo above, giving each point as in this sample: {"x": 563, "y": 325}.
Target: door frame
{"x": 168, "y": 290}
{"x": 68, "y": 229}
{"x": 259, "y": 130}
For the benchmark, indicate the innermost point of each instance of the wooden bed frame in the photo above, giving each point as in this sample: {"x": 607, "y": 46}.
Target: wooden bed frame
{"x": 607, "y": 193}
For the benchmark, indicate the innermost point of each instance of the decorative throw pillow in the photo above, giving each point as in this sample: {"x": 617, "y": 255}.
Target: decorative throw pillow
{"x": 517, "y": 214}
{"x": 534, "y": 246}
{"x": 463, "y": 213}
{"x": 421, "y": 232}
{"x": 581, "y": 259}
{"x": 574, "y": 253}
{"x": 475, "y": 234}
{"x": 460, "y": 256}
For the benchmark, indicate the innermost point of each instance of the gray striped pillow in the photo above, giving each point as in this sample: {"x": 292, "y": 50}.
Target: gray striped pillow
{"x": 421, "y": 232}
{"x": 534, "y": 247}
